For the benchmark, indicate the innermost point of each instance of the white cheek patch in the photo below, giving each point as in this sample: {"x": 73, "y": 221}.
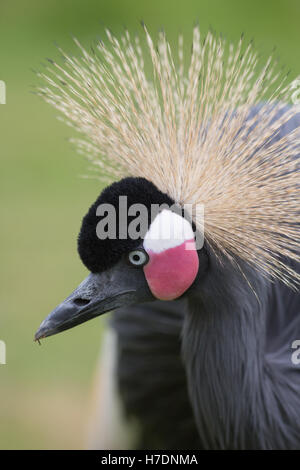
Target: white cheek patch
{"x": 168, "y": 230}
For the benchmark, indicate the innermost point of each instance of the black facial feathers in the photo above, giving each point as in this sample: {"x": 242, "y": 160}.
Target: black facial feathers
{"x": 100, "y": 254}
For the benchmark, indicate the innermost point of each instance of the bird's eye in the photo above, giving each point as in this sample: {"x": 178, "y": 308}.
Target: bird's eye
{"x": 138, "y": 257}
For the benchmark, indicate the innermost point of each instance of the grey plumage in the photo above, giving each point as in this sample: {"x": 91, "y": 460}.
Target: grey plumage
{"x": 219, "y": 361}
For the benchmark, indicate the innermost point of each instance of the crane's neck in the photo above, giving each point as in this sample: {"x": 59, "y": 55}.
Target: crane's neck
{"x": 231, "y": 383}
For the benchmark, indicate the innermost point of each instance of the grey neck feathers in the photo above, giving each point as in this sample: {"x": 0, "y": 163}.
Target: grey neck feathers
{"x": 239, "y": 398}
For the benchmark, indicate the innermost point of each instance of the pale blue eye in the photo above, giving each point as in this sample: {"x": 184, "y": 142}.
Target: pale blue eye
{"x": 138, "y": 257}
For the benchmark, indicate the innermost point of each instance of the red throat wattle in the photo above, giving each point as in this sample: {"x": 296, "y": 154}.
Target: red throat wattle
{"x": 171, "y": 272}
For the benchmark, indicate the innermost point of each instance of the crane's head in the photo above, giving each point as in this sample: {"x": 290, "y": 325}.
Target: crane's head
{"x": 199, "y": 129}
{"x": 131, "y": 258}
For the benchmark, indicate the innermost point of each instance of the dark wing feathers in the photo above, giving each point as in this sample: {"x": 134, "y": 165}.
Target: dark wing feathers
{"x": 151, "y": 376}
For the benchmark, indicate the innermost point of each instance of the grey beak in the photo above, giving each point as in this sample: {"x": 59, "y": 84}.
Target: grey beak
{"x": 97, "y": 294}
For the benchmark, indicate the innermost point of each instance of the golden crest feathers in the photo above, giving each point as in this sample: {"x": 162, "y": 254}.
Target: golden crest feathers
{"x": 202, "y": 128}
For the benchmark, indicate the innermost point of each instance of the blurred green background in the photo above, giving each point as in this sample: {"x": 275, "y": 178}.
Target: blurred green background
{"x": 45, "y": 392}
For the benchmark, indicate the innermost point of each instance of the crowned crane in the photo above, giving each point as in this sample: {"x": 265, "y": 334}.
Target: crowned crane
{"x": 202, "y": 334}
